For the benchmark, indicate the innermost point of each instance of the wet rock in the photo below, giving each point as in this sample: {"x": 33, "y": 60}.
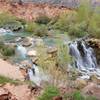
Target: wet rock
{"x": 27, "y": 42}
{"x": 32, "y": 53}
{"x": 18, "y": 39}
{"x": 92, "y": 89}
{"x": 13, "y": 25}
{"x": 95, "y": 44}
{"x": 51, "y": 50}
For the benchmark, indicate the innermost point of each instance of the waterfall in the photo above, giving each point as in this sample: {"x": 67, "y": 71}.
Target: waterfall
{"x": 84, "y": 56}
{"x": 21, "y": 51}
{"x": 34, "y": 75}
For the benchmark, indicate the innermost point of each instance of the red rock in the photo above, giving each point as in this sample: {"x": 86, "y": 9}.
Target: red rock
{"x": 92, "y": 89}
{"x": 57, "y": 98}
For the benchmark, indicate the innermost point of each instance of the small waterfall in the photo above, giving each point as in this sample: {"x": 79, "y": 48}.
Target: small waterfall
{"x": 36, "y": 76}
{"x": 21, "y": 51}
{"x": 84, "y": 56}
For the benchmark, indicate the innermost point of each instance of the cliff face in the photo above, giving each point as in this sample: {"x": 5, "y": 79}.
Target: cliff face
{"x": 64, "y": 3}
{"x": 31, "y": 11}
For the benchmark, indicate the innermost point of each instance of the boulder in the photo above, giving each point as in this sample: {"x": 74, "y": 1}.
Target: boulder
{"x": 6, "y": 95}
{"x": 26, "y": 41}
{"x": 51, "y": 50}
{"x": 32, "y": 53}
{"x": 18, "y": 39}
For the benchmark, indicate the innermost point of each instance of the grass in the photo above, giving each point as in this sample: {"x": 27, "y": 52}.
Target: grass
{"x": 49, "y": 93}
{"x": 4, "y": 80}
{"x": 54, "y": 66}
{"x": 6, "y": 51}
{"x": 77, "y": 96}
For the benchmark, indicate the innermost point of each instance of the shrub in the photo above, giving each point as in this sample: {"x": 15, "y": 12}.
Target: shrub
{"x": 48, "y": 64}
{"x": 49, "y": 93}
{"x": 33, "y": 28}
{"x": 6, "y": 50}
{"x": 64, "y": 21}
{"x": 42, "y": 19}
{"x": 78, "y": 30}
{"x": 41, "y": 31}
{"x": 94, "y": 25}
{"x": 91, "y": 16}
{"x": 5, "y": 18}
{"x": 30, "y": 26}
{"x": 13, "y": 25}
{"x": 63, "y": 57}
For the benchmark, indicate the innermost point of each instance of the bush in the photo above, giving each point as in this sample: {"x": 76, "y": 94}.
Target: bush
{"x": 38, "y": 30}
{"x": 5, "y": 18}
{"x": 63, "y": 57}
{"x": 7, "y": 50}
{"x": 13, "y": 25}
{"x": 42, "y": 19}
{"x": 78, "y": 30}
{"x": 41, "y": 31}
{"x": 30, "y": 26}
{"x": 49, "y": 93}
{"x": 64, "y": 21}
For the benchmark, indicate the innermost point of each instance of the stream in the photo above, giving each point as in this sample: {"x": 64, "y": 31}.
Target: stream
{"x": 83, "y": 55}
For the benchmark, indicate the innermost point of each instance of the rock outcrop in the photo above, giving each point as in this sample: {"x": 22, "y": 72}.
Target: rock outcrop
{"x": 11, "y": 71}
{"x": 95, "y": 44}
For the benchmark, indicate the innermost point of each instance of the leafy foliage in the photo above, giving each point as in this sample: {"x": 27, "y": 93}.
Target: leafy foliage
{"x": 6, "y": 50}
{"x": 42, "y": 19}
{"x": 5, "y": 18}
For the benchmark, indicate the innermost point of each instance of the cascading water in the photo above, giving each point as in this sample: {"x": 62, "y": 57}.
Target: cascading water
{"x": 84, "y": 56}
{"x": 21, "y": 51}
{"x": 35, "y": 75}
